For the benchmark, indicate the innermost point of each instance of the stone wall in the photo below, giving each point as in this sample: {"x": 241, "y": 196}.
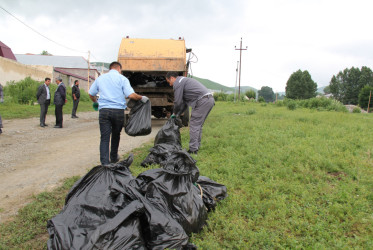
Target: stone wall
{"x": 11, "y": 70}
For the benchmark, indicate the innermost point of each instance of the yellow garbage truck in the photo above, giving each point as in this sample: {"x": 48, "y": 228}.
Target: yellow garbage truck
{"x": 145, "y": 62}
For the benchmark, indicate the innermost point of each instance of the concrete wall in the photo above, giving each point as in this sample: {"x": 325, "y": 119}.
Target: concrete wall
{"x": 11, "y": 70}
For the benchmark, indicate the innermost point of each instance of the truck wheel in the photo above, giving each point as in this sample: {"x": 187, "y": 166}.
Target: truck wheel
{"x": 185, "y": 118}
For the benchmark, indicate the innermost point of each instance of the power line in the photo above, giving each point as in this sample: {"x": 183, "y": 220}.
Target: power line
{"x": 40, "y": 33}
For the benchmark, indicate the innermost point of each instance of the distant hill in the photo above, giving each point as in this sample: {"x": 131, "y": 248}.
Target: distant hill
{"x": 213, "y": 85}
{"x": 219, "y": 87}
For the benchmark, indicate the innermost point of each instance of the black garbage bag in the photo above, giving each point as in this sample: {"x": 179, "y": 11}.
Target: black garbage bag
{"x": 159, "y": 153}
{"x": 212, "y": 192}
{"x": 93, "y": 219}
{"x": 169, "y": 133}
{"x": 171, "y": 190}
{"x": 167, "y": 141}
{"x": 160, "y": 230}
{"x": 140, "y": 119}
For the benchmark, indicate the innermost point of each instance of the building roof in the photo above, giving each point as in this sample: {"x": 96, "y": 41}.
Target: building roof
{"x": 76, "y": 62}
{"x": 72, "y": 74}
{"x": 6, "y": 52}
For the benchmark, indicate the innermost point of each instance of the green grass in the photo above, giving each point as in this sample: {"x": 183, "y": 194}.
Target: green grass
{"x": 296, "y": 179}
{"x": 10, "y": 110}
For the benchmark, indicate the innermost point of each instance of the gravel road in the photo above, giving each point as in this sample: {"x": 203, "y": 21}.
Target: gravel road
{"x": 35, "y": 159}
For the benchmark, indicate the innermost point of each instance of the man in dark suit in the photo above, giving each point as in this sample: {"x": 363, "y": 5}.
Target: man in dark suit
{"x": 76, "y": 96}
{"x": 59, "y": 101}
{"x": 44, "y": 99}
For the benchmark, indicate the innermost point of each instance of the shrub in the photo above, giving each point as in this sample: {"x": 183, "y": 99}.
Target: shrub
{"x": 356, "y": 110}
{"x": 292, "y": 105}
{"x": 250, "y": 94}
{"x": 261, "y": 99}
{"x": 22, "y": 92}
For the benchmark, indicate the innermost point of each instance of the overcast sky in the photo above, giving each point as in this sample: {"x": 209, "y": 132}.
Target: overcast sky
{"x": 282, "y": 36}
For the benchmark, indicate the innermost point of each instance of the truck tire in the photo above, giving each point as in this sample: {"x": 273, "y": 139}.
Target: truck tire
{"x": 185, "y": 118}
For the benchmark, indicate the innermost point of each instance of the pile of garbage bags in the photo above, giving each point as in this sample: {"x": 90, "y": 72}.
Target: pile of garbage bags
{"x": 147, "y": 81}
{"x": 111, "y": 209}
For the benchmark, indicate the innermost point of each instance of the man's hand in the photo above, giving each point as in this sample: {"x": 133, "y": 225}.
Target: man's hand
{"x": 144, "y": 99}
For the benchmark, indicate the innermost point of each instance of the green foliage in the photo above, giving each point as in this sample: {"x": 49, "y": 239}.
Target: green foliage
{"x": 224, "y": 97}
{"x": 23, "y": 92}
{"x": 300, "y": 86}
{"x": 250, "y": 94}
{"x": 261, "y": 99}
{"x": 291, "y": 104}
{"x": 347, "y": 85}
{"x": 327, "y": 90}
{"x": 267, "y": 93}
{"x": 320, "y": 104}
{"x": 295, "y": 180}
{"x": 356, "y": 110}
{"x": 364, "y": 95}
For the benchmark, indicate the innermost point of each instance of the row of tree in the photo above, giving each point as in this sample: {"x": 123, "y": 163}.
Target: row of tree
{"x": 350, "y": 86}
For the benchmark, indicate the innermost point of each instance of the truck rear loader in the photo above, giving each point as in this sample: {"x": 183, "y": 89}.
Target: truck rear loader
{"x": 145, "y": 62}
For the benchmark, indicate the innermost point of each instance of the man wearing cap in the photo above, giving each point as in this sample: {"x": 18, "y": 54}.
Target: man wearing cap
{"x": 113, "y": 88}
{"x": 44, "y": 99}
{"x": 59, "y": 101}
{"x": 190, "y": 92}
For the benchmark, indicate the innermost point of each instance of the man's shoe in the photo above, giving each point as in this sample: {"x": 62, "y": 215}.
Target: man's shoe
{"x": 42, "y": 125}
{"x": 193, "y": 152}
{"x": 57, "y": 126}
{"x": 46, "y": 125}
{"x": 74, "y": 116}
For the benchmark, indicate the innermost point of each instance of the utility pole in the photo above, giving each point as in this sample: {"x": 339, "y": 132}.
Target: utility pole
{"x": 89, "y": 53}
{"x": 239, "y": 79}
{"x": 235, "y": 86}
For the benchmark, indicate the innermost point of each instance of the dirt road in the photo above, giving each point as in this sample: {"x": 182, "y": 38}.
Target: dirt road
{"x": 35, "y": 159}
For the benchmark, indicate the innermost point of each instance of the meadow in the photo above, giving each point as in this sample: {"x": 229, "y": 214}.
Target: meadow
{"x": 296, "y": 179}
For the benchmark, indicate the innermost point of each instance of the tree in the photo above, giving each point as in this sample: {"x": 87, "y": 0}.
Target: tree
{"x": 267, "y": 93}
{"x": 364, "y": 95}
{"x": 46, "y": 53}
{"x": 347, "y": 85}
{"x": 300, "y": 86}
{"x": 250, "y": 94}
{"x": 327, "y": 90}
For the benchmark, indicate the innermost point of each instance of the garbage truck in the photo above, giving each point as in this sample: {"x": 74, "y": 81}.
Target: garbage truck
{"x": 145, "y": 62}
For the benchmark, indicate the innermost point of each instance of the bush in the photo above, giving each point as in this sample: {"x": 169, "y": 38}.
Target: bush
{"x": 250, "y": 94}
{"x": 356, "y": 110}
{"x": 292, "y": 105}
{"x": 261, "y": 99}
{"x": 24, "y": 92}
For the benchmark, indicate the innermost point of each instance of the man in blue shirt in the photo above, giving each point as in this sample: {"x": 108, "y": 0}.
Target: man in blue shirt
{"x": 113, "y": 88}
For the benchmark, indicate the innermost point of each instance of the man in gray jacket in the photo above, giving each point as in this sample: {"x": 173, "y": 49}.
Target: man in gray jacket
{"x": 44, "y": 99}
{"x": 59, "y": 101}
{"x": 190, "y": 92}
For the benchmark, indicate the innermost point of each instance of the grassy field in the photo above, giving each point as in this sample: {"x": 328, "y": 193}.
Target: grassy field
{"x": 295, "y": 179}
{"x": 9, "y": 110}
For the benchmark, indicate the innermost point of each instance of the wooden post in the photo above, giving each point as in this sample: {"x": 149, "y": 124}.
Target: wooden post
{"x": 370, "y": 95}
{"x": 89, "y": 53}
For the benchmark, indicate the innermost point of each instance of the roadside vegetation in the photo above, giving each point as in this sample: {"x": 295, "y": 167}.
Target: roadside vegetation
{"x": 20, "y": 100}
{"x": 297, "y": 178}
